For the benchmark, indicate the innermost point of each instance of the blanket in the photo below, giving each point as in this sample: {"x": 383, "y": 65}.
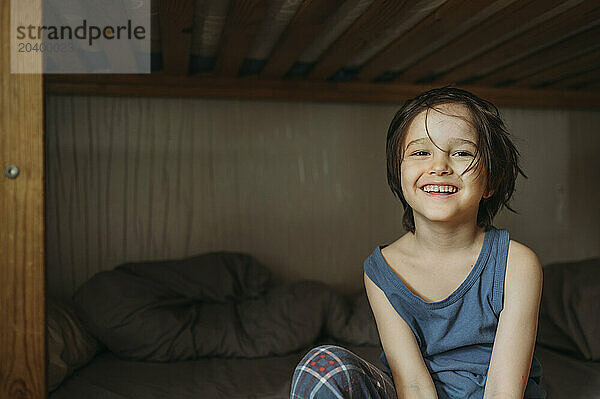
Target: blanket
{"x": 217, "y": 304}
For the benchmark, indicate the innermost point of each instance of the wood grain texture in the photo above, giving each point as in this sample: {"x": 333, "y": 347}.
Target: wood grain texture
{"x": 309, "y": 21}
{"x": 449, "y": 21}
{"x": 558, "y": 73}
{"x": 595, "y": 85}
{"x": 579, "y": 80}
{"x": 154, "y": 178}
{"x": 299, "y": 185}
{"x": 379, "y": 17}
{"x": 573, "y": 47}
{"x": 176, "y": 19}
{"x": 22, "y": 273}
{"x": 504, "y": 25}
{"x": 563, "y": 25}
{"x": 243, "y": 20}
{"x": 395, "y": 93}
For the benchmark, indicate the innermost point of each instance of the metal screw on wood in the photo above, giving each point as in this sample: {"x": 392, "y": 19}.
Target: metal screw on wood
{"x": 11, "y": 171}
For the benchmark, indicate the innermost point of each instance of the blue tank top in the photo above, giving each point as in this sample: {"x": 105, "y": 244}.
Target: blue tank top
{"x": 456, "y": 335}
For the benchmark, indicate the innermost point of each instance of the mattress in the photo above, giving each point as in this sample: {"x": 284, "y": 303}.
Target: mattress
{"x": 109, "y": 377}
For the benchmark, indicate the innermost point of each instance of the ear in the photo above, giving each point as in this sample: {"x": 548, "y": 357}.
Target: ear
{"x": 488, "y": 194}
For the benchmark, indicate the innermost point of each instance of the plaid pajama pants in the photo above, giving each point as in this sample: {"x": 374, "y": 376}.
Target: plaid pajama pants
{"x": 328, "y": 372}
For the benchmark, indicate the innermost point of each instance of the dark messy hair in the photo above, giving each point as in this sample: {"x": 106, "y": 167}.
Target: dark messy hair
{"x": 497, "y": 153}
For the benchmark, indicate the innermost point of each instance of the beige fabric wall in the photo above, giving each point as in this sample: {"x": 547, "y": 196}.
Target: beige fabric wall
{"x": 301, "y": 186}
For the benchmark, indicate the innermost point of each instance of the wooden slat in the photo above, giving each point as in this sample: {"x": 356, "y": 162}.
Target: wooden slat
{"x": 380, "y": 15}
{"x": 563, "y": 70}
{"x": 308, "y": 22}
{"x": 155, "y": 47}
{"x": 501, "y": 27}
{"x": 119, "y": 54}
{"x": 22, "y": 274}
{"x": 595, "y": 85}
{"x": 576, "y": 18}
{"x": 561, "y": 52}
{"x": 447, "y": 22}
{"x": 73, "y": 59}
{"x": 394, "y": 93}
{"x": 176, "y": 20}
{"x": 243, "y": 20}
{"x": 579, "y": 80}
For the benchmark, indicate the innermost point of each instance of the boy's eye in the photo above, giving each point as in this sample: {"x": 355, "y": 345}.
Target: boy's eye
{"x": 463, "y": 154}
{"x": 420, "y": 153}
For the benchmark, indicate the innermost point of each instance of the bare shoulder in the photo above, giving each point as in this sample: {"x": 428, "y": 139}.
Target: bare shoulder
{"x": 523, "y": 282}
{"x": 522, "y": 259}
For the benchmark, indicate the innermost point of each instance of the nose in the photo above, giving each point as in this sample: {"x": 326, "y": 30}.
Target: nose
{"x": 440, "y": 165}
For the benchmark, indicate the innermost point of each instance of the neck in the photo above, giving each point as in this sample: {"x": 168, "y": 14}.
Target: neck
{"x": 442, "y": 238}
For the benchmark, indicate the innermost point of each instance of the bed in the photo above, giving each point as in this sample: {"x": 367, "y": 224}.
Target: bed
{"x": 261, "y": 330}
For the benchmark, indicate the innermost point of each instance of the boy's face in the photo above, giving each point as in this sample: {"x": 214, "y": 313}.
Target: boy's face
{"x": 433, "y": 180}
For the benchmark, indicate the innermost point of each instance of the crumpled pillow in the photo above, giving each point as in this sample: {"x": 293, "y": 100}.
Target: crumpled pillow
{"x": 185, "y": 310}
{"x": 69, "y": 345}
{"x": 358, "y": 327}
{"x": 211, "y": 277}
{"x": 569, "y": 319}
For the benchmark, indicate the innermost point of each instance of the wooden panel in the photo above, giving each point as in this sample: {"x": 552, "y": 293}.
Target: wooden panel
{"x": 243, "y": 20}
{"x": 579, "y": 80}
{"x": 308, "y": 22}
{"x": 22, "y": 282}
{"x": 176, "y": 20}
{"x": 394, "y": 93}
{"x": 562, "y": 71}
{"x": 157, "y": 178}
{"x": 447, "y": 22}
{"x": 74, "y": 59}
{"x": 501, "y": 27}
{"x": 380, "y": 15}
{"x": 577, "y": 18}
{"x": 595, "y": 85}
{"x": 561, "y": 52}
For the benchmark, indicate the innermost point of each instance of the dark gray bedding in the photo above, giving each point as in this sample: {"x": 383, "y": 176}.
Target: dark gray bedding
{"x": 568, "y": 377}
{"x": 569, "y": 317}
{"x": 108, "y": 377}
{"x": 217, "y": 304}
{"x": 180, "y": 329}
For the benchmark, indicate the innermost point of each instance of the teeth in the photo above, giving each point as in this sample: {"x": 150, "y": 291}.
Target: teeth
{"x": 442, "y": 189}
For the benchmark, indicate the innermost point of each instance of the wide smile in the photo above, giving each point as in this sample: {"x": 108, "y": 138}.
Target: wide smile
{"x": 439, "y": 195}
{"x": 439, "y": 191}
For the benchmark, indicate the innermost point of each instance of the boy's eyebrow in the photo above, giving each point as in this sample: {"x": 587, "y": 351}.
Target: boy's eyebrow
{"x": 452, "y": 141}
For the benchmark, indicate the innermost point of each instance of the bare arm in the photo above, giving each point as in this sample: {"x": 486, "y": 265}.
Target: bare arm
{"x": 517, "y": 326}
{"x": 411, "y": 377}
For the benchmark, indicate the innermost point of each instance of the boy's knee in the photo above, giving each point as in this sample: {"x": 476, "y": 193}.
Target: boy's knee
{"x": 326, "y": 351}
{"x": 327, "y": 357}
{"x": 328, "y": 371}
